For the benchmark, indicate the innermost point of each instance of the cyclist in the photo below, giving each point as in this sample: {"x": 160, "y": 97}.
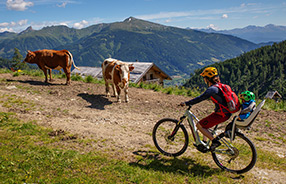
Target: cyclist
{"x": 220, "y": 115}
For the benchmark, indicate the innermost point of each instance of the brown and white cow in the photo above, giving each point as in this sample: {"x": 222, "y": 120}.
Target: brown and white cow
{"x": 116, "y": 73}
{"x": 52, "y": 59}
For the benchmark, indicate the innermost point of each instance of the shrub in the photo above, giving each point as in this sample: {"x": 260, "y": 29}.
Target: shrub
{"x": 5, "y": 70}
{"x": 273, "y": 105}
{"x": 157, "y": 88}
{"x": 76, "y": 78}
{"x": 16, "y": 74}
{"x": 89, "y": 79}
{"x": 62, "y": 75}
{"x": 99, "y": 81}
{"x": 131, "y": 84}
{"x": 36, "y": 73}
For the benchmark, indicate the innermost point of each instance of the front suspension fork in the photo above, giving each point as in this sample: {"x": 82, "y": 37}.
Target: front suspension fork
{"x": 171, "y": 137}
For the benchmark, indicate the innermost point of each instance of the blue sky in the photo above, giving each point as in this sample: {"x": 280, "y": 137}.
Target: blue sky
{"x": 17, "y": 15}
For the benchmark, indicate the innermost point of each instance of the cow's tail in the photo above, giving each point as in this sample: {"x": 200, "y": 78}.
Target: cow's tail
{"x": 72, "y": 61}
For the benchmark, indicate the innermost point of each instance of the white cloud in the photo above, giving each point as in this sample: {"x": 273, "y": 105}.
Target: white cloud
{"x": 242, "y": 5}
{"x": 4, "y": 24}
{"x": 6, "y": 29}
{"x": 224, "y": 16}
{"x": 14, "y": 24}
{"x": 8, "y": 26}
{"x": 212, "y": 26}
{"x": 22, "y": 22}
{"x": 168, "y": 20}
{"x": 63, "y": 24}
{"x": 255, "y": 17}
{"x": 63, "y": 5}
{"x": 80, "y": 25}
{"x": 162, "y": 15}
{"x": 40, "y": 25}
{"x": 18, "y": 5}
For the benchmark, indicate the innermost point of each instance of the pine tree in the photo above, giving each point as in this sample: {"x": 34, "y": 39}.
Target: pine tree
{"x": 238, "y": 74}
{"x": 254, "y": 70}
{"x": 17, "y": 63}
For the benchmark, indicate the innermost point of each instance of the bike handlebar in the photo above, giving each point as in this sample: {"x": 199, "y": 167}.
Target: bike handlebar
{"x": 189, "y": 106}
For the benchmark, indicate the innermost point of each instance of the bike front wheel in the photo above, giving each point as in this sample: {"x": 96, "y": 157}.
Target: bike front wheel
{"x": 237, "y": 157}
{"x": 168, "y": 142}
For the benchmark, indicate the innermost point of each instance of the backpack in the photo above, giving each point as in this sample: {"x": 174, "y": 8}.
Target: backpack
{"x": 233, "y": 104}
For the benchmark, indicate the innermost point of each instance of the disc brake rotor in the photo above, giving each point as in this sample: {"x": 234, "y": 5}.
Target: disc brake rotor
{"x": 234, "y": 154}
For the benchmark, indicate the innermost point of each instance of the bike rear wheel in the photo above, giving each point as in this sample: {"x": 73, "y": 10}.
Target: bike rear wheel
{"x": 239, "y": 158}
{"x": 167, "y": 144}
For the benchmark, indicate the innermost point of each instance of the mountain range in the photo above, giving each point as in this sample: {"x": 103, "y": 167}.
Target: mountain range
{"x": 175, "y": 50}
{"x": 256, "y": 34}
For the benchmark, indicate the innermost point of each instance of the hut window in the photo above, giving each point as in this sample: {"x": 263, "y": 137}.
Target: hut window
{"x": 151, "y": 76}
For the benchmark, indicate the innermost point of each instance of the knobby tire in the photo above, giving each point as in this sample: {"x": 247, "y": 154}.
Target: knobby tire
{"x": 242, "y": 161}
{"x": 170, "y": 146}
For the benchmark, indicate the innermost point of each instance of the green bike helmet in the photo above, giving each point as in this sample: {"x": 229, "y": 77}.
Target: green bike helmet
{"x": 247, "y": 95}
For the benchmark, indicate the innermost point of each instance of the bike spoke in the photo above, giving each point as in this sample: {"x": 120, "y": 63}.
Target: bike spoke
{"x": 168, "y": 141}
{"x": 239, "y": 156}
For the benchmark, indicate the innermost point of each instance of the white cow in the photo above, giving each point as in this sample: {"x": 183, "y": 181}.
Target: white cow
{"x": 116, "y": 73}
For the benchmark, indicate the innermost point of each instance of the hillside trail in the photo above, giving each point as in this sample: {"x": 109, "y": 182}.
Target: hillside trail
{"x": 122, "y": 129}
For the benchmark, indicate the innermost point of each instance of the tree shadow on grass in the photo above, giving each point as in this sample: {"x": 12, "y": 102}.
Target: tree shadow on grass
{"x": 185, "y": 166}
{"x": 96, "y": 101}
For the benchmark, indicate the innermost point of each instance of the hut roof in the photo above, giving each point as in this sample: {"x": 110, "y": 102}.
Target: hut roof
{"x": 273, "y": 95}
{"x": 140, "y": 69}
{"x": 87, "y": 70}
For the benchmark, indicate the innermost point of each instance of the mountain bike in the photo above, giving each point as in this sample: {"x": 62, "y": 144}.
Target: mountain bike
{"x": 236, "y": 154}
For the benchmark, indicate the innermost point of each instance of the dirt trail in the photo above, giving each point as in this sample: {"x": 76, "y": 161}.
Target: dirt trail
{"x": 83, "y": 110}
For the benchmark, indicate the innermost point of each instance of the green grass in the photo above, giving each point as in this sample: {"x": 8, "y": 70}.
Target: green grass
{"x": 33, "y": 72}
{"x": 29, "y": 155}
{"x": 168, "y": 90}
{"x": 261, "y": 139}
{"x": 89, "y": 79}
{"x": 5, "y": 70}
{"x": 12, "y": 101}
{"x": 76, "y": 78}
{"x": 273, "y": 105}
{"x": 268, "y": 160}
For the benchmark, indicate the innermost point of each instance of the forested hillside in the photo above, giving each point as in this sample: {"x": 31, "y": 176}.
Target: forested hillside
{"x": 46, "y": 38}
{"x": 176, "y": 51}
{"x": 259, "y": 70}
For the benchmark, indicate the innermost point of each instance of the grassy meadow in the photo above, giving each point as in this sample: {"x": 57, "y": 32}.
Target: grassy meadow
{"x": 30, "y": 153}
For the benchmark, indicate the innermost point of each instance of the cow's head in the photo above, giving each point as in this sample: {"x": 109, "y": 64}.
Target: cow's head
{"x": 124, "y": 72}
{"x": 30, "y": 57}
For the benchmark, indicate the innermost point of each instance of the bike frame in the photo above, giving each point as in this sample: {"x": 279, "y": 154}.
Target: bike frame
{"x": 192, "y": 121}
